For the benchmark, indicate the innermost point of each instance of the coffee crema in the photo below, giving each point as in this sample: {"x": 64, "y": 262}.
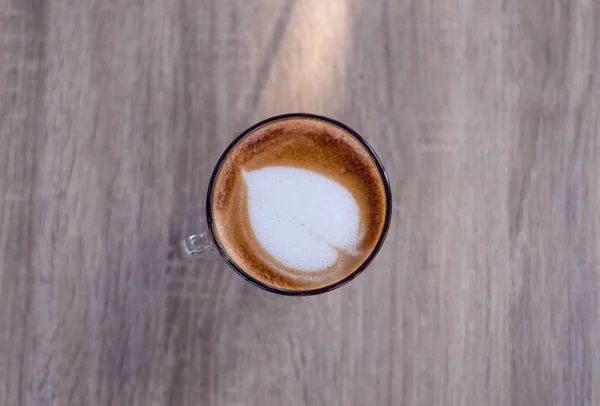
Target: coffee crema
{"x": 298, "y": 204}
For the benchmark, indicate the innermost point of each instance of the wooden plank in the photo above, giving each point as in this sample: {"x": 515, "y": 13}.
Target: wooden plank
{"x": 485, "y": 114}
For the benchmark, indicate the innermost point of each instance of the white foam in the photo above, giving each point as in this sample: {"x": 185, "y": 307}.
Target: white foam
{"x": 301, "y": 217}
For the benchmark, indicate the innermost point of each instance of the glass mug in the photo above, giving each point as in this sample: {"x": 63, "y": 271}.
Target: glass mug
{"x": 196, "y": 244}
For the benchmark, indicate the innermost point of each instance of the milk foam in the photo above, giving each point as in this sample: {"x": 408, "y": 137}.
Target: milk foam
{"x": 301, "y": 218}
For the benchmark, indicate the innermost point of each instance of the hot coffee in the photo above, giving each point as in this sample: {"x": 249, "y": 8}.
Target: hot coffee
{"x": 298, "y": 203}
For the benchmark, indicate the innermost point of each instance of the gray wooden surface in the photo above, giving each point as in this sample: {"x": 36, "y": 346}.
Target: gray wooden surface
{"x": 485, "y": 112}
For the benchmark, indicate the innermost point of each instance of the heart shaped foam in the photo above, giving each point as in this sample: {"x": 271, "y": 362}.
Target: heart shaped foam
{"x": 301, "y": 218}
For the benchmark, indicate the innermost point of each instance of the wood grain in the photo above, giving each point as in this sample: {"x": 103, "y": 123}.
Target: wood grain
{"x": 485, "y": 113}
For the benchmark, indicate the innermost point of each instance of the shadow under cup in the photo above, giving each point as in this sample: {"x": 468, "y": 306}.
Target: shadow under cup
{"x": 336, "y": 284}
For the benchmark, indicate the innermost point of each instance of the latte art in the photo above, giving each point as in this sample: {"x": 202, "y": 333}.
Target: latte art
{"x": 298, "y": 204}
{"x": 301, "y": 218}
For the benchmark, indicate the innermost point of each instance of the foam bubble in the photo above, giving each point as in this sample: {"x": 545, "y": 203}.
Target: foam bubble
{"x": 300, "y": 217}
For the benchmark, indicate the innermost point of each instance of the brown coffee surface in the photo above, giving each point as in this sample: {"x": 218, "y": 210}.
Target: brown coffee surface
{"x": 305, "y": 143}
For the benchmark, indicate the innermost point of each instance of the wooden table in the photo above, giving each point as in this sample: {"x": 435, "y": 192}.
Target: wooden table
{"x": 486, "y": 114}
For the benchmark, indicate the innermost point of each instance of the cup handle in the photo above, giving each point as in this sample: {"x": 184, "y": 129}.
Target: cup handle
{"x": 196, "y": 244}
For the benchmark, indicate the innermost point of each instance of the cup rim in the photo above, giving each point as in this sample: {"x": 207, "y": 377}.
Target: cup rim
{"x": 388, "y": 208}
